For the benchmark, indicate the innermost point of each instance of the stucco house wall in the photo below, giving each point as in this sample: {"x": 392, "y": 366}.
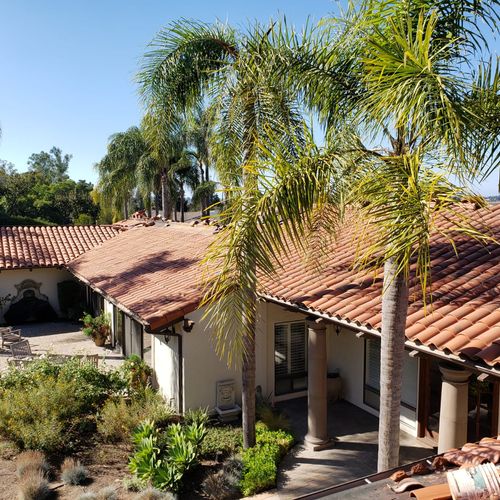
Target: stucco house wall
{"x": 202, "y": 367}
{"x": 49, "y": 278}
{"x": 346, "y": 353}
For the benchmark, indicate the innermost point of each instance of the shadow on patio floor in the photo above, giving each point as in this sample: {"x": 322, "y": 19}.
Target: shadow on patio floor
{"x": 353, "y": 455}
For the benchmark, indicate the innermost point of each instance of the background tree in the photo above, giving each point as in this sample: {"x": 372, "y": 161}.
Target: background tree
{"x": 45, "y": 194}
{"x": 51, "y": 167}
{"x": 119, "y": 169}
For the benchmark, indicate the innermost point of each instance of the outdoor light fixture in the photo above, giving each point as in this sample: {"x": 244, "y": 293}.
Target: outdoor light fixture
{"x": 187, "y": 325}
{"x": 337, "y": 329}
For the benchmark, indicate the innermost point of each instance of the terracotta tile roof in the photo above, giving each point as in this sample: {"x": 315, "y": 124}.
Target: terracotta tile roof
{"x": 463, "y": 319}
{"x": 25, "y": 247}
{"x": 152, "y": 272}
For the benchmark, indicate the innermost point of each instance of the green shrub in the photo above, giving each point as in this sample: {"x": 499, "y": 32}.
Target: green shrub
{"x": 33, "y": 485}
{"x": 94, "y": 385}
{"x": 197, "y": 416}
{"x": 42, "y": 417}
{"x": 136, "y": 372}
{"x": 259, "y": 468}
{"x": 224, "y": 440}
{"x": 73, "y": 472}
{"x": 46, "y": 405}
{"x": 273, "y": 419}
{"x": 260, "y": 463}
{"x": 119, "y": 417}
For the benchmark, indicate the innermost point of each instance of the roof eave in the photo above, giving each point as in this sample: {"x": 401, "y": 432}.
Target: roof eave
{"x": 483, "y": 368}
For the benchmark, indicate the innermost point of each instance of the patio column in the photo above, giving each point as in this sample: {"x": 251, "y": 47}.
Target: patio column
{"x": 316, "y": 436}
{"x": 454, "y": 407}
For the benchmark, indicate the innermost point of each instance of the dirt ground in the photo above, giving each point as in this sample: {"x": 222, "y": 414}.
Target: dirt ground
{"x": 107, "y": 464}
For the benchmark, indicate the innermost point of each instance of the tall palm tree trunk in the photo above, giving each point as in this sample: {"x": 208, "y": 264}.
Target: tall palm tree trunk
{"x": 157, "y": 202}
{"x": 207, "y": 198}
{"x": 182, "y": 203}
{"x": 166, "y": 202}
{"x": 248, "y": 384}
{"x": 394, "y": 312}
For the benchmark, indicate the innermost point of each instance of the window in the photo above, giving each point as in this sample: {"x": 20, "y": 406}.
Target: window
{"x": 119, "y": 329}
{"x": 290, "y": 357}
{"x": 372, "y": 377}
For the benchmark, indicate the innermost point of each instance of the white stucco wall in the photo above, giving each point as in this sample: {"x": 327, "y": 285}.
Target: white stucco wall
{"x": 166, "y": 365}
{"x": 346, "y": 354}
{"x": 202, "y": 367}
{"x": 49, "y": 278}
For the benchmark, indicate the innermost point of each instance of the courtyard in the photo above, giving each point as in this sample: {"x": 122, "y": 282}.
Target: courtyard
{"x": 61, "y": 338}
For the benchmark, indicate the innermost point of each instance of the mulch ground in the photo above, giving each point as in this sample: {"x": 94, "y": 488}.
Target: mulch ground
{"x": 107, "y": 464}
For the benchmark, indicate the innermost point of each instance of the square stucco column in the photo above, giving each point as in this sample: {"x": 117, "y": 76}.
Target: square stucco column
{"x": 317, "y": 412}
{"x": 453, "y": 412}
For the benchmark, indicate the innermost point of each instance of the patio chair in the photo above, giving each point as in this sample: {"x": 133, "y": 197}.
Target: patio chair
{"x": 21, "y": 350}
{"x": 9, "y": 336}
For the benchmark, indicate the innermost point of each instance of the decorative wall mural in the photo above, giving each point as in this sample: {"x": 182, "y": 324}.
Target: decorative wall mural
{"x": 29, "y": 305}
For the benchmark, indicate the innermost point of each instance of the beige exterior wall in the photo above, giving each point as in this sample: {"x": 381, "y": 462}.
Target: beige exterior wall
{"x": 166, "y": 368}
{"x": 203, "y": 368}
{"x": 346, "y": 354}
{"x": 49, "y": 278}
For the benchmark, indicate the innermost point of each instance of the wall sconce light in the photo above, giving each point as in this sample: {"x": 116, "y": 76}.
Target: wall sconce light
{"x": 337, "y": 329}
{"x": 187, "y": 325}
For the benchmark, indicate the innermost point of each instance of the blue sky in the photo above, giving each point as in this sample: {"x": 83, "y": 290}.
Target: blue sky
{"x": 67, "y": 67}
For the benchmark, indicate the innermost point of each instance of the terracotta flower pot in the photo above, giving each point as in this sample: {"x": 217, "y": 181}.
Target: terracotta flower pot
{"x": 99, "y": 341}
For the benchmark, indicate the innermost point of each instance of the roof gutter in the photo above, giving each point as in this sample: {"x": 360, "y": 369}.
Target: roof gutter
{"x": 376, "y": 333}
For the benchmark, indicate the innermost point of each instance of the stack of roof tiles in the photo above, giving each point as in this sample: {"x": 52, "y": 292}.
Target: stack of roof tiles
{"x": 48, "y": 246}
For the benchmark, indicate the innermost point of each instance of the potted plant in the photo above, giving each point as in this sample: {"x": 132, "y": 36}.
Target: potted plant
{"x": 136, "y": 372}
{"x": 98, "y": 328}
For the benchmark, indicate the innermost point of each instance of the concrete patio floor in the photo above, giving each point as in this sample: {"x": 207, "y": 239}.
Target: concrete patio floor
{"x": 61, "y": 338}
{"x": 354, "y": 455}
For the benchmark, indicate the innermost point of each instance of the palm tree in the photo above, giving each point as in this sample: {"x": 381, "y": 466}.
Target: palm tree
{"x": 199, "y": 135}
{"x": 399, "y": 81}
{"x": 188, "y": 63}
{"x": 118, "y": 169}
{"x": 393, "y": 77}
{"x": 165, "y": 134}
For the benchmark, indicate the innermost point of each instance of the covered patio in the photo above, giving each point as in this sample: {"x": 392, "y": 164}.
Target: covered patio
{"x": 352, "y": 455}
{"x": 61, "y": 338}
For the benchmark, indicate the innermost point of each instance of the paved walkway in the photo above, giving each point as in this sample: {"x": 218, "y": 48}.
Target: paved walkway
{"x": 61, "y": 338}
{"x": 354, "y": 455}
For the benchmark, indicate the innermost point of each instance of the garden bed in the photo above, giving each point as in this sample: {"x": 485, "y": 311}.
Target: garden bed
{"x": 85, "y": 430}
